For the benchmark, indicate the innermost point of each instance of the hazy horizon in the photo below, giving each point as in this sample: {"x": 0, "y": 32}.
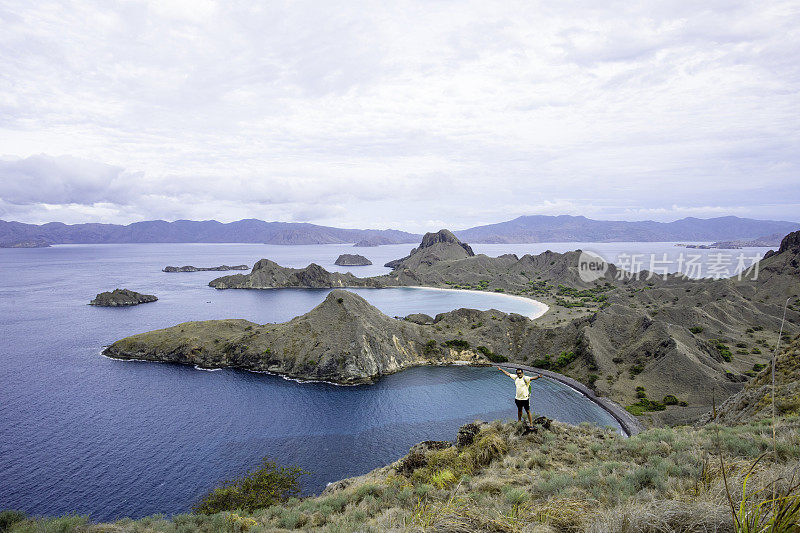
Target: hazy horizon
{"x": 450, "y": 227}
{"x": 413, "y": 116}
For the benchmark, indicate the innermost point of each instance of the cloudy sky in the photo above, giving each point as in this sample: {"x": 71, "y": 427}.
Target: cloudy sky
{"x": 413, "y": 115}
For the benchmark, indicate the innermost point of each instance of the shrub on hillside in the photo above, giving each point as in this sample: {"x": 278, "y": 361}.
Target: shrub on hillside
{"x": 491, "y": 356}
{"x": 723, "y": 349}
{"x": 459, "y": 344}
{"x": 644, "y": 405}
{"x": 10, "y": 517}
{"x": 563, "y": 360}
{"x": 669, "y": 399}
{"x": 266, "y": 485}
{"x": 636, "y": 369}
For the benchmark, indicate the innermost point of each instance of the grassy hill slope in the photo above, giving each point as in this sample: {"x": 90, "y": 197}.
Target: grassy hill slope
{"x": 559, "y": 479}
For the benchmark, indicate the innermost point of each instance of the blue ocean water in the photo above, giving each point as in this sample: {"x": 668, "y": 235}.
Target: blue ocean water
{"x": 83, "y": 433}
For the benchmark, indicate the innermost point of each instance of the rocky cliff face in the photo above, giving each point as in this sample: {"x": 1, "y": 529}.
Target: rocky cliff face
{"x": 790, "y": 242}
{"x": 267, "y": 274}
{"x": 778, "y": 276}
{"x": 121, "y": 298}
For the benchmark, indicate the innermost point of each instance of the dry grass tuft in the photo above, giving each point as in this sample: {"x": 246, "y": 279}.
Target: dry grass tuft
{"x": 490, "y": 445}
{"x": 458, "y": 516}
{"x": 564, "y": 514}
{"x": 661, "y": 516}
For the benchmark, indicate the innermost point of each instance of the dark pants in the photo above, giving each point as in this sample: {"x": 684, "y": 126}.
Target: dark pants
{"x": 526, "y": 404}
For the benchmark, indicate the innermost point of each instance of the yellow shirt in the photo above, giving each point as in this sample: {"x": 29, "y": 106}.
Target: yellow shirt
{"x": 523, "y": 392}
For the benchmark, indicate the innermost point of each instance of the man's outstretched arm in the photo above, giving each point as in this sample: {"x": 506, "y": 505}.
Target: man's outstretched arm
{"x": 504, "y": 372}
{"x": 531, "y": 378}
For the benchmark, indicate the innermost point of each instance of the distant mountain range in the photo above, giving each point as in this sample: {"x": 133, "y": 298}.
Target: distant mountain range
{"x": 564, "y": 228}
{"x": 249, "y": 231}
{"x": 525, "y": 229}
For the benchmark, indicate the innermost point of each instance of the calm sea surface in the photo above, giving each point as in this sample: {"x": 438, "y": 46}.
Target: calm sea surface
{"x": 83, "y": 433}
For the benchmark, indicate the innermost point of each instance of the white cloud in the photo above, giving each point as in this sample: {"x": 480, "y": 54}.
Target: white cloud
{"x": 403, "y": 115}
{"x": 41, "y": 179}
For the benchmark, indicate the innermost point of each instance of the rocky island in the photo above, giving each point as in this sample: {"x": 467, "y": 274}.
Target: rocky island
{"x": 371, "y": 242}
{"x": 121, "y": 298}
{"x": 190, "y": 268}
{"x": 342, "y": 340}
{"x": 26, "y": 244}
{"x": 352, "y": 260}
{"x": 765, "y": 241}
{"x": 268, "y": 274}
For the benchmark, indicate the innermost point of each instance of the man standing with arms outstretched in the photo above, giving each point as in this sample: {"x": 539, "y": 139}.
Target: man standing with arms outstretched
{"x": 523, "y": 396}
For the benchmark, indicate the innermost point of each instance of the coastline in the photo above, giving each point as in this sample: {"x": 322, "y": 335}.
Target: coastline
{"x": 628, "y": 423}
{"x": 532, "y": 316}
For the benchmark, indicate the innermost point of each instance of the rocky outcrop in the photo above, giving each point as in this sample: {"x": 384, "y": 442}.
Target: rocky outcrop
{"x": 790, "y": 242}
{"x": 467, "y": 433}
{"x": 121, "y": 298}
{"x": 352, "y": 260}
{"x": 267, "y": 274}
{"x": 420, "y": 318}
{"x": 443, "y": 236}
{"x": 776, "y": 277}
{"x": 394, "y": 263}
{"x": 439, "y": 246}
{"x": 190, "y": 268}
{"x": 343, "y": 340}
